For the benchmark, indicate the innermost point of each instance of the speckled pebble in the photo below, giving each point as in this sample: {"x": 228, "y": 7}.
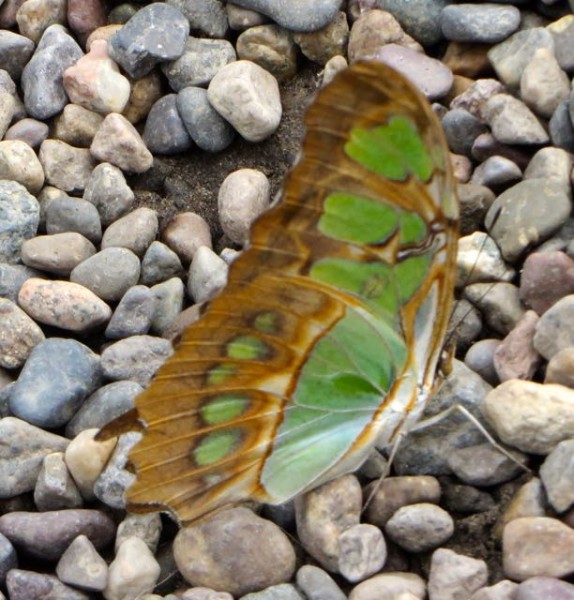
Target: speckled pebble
{"x": 208, "y": 16}
{"x": 15, "y": 52}
{"x": 481, "y": 23}
{"x": 20, "y": 334}
{"x": 248, "y": 97}
{"x": 19, "y": 163}
{"x": 109, "y": 273}
{"x": 133, "y": 315}
{"x": 159, "y": 264}
{"x": 147, "y": 527}
{"x": 134, "y": 231}
{"x": 243, "y": 196}
{"x": 76, "y": 125}
{"x": 454, "y": 575}
{"x": 136, "y": 358}
{"x": 57, "y": 377}
{"x": 63, "y": 304}
{"x": 363, "y": 552}
{"x": 106, "y": 403}
{"x": 74, "y": 215}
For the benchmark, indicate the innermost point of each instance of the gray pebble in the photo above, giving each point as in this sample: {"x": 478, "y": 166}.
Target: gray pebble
{"x": 11, "y": 279}
{"x": 281, "y": 591}
{"x": 158, "y": 264}
{"x": 74, "y": 214}
{"x": 23, "y": 585}
{"x": 499, "y": 304}
{"x": 496, "y": 171}
{"x": 15, "y": 51}
{"x": 146, "y": 527}
{"x": 466, "y": 499}
{"x": 536, "y": 588}
{"x": 560, "y": 127}
{"x": 55, "y": 489}
{"x": 47, "y": 535}
{"x": 207, "y": 275}
{"x": 155, "y": 34}
{"x": 66, "y": 167}
{"x": 207, "y": 128}
{"x": 318, "y": 584}
{"x": 109, "y": 273}
{"x": 165, "y": 132}
{"x": 297, "y": 15}
{"x": 134, "y": 231}
{"x": 136, "y": 358}
{"x": 562, "y": 32}
{"x": 108, "y": 191}
{"x": 555, "y": 329}
{"x": 44, "y": 94}
{"x": 133, "y": 315}
{"x": 168, "y": 304}
{"x": 207, "y": 16}
{"x": 22, "y": 453}
{"x": 57, "y": 377}
{"x": 548, "y": 163}
{"x": 82, "y": 566}
{"x": 201, "y": 60}
{"x": 29, "y": 131}
{"x": 8, "y": 558}
{"x": 104, "y": 405}
{"x": 461, "y": 129}
{"x": 480, "y": 358}
{"x": 480, "y": 23}
{"x": 19, "y": 219}
{"x": 454, "y": 575}
{"x": 557, "y": 475}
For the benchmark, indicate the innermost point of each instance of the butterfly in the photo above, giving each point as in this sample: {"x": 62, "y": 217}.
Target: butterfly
{"x": 326, "y": 341}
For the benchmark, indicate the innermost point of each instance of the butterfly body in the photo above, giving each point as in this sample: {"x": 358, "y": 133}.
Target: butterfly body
{"x": 326, "y": 339}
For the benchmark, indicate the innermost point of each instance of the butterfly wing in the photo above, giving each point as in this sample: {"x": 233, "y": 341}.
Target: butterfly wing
{"x": 327, "y": 336}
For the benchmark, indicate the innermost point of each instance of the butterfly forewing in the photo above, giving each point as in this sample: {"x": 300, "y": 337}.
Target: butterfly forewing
{"x": 327, "y": 336}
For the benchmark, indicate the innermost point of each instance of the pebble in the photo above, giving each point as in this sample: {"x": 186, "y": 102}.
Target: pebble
{"x": 19, "y": 163}
{"x": 235, "y": 551}
{"x": 58, "y": 253}
{"x": 496, "y": 171}
{"x": 562, "y": 32}
{"x": 65, "y": 215}
{"x": 248, "y": 97}
{"x": 159, "y": 263}
{"x": 109, "y": 192}
{"x": 430, "y": 76}
{"x": 155, "y": 34}
{"x": 118, "y": 142}
{"x": 560, "y": 368}
{"x": 206, "y": 127}
{"x": 185, "y": 233}
{"x": 19, "y": 219}
{"x": 30, "y": 131}
{"x": 270, "y": 47}
{"x": 200, "y": 61}
{"x": 512, "y": 122}
{"x": 207, "y": 275}
{"x": 34, "y": 16}
{"x": 145, "y": 92}
{"x": 109, "y": 273}
{"x": 481, "y": 23}
{"x": 363, "y": 552}
{"x": 20, "y": 335}
{"x": 316, "y": 584}
{"x": 554, "y": 331}
{"x": 537, "y": 546}
{"x": 503, "y": 590}
{"x": 560, "y": 128}
{"x": 546, "y": 277}
{"x": 454, "y": 575}
{"x": 95, "y": 82}
{"x": 55, "y": 489}
{"x": 484, "y": 465}
{"x": 544, "y": 587}
{"x": 23, "y": 585}
{"x": 134, "y": 231}
{"x": 544, "y": 84}
{"x": 8, "y": 558}
{"x": 419, "y": 527}
{"x": 133, "y": 315}
{"x": 392, "y": 493}
{"x": 165, "y": 131}
{"x": 516, "y": 357}
{"x": 44, "y": 93}
{"x": 111, "y": 485}
{"x": 81, "y": 566}
{"x": 7, "y": 109}
{"x": 84, "y": 16}
{"x": 461, "y": 129}
{"x": 243, "y": 18}
{"x": 208, "y": 16}
{"x": 243, "y": 196}
{"x": 324, "y": 514}
{"x": 530, "y": 416}
{"x": 466, "y": 499}
{"x": 133, "y": 572}
{"x": 146, "y": 527}
{"x": 63, "y": 304}
{"x": 510, "y": 57}
{"x": 499, "y": 304}
{"x": 557, "y": 475}
{"x": 57, "y": 377}
{"x": 283, "y": 591}
{"x": 519, "y": 217}
{"x": 529, "y": 501}
{"x": 77, "y": 126}
{"x": 373, "y": 30}
{"x": 47, "y": 535}
{"x": 479, "y": 260}
{"x": 169, "y": 296}
{"x": 105, "y": 404}
{"x": 390, "y": 586}
{"x": 297, "y": 15}
{"x": 323, "y": 45}
{"x": 22, "y": 453}
{"x": 86, "y": 458}
{"x": 550, "y": 163}
{"x": 480, "y": 358}
{"x": 15, "y": 52}
{"x": 136, "y": 358}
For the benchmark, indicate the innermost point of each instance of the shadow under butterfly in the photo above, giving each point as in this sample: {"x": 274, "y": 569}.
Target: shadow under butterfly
{"x": 327, "y": 338}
